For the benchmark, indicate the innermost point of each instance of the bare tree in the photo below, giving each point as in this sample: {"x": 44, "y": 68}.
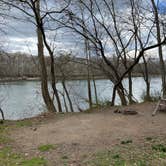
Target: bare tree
{"x": 100, "y": 28}
{"x": 33, "y": 10}
{"x": 160, "y": 52}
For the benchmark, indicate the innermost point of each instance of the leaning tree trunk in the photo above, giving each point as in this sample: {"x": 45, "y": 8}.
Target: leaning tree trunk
{"x": 121, "y": 94}
{"x": 68, "y": 96}
{"x": 53, "y": 82}
{"x": 44, "y": 78}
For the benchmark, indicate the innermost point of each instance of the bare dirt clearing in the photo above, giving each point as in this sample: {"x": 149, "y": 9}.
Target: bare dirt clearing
{"x": 85, "y": 133}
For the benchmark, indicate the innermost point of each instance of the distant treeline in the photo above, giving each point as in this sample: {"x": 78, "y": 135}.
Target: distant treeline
{"x": 68, "y": 67}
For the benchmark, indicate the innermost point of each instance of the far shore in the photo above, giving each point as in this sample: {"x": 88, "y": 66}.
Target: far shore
{"x": 76, "y": 77}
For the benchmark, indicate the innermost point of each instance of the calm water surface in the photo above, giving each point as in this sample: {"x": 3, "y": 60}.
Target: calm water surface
{"x": 23, "y": 99}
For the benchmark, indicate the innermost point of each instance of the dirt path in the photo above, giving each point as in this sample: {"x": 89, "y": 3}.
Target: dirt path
{"x": 83, "y": 133}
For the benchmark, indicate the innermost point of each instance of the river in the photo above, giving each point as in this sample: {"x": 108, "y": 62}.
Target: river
{"x": 22, "y": 99}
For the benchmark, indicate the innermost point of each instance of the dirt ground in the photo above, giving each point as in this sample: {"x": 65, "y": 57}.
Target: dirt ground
{"x": 80, "y": 134}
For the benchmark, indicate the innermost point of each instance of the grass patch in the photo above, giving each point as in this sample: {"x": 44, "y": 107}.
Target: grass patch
{"x": 145, "y": 154}
{"x": 34, "y": 162}
{"x": 45, "y": 148}
{"x": 8, "y": 158}
{"x": 4, "y": 139}
{"x": 65, "y": 157}
{"x": 106, "y": 158}
{"x": 126, "y": 142}
{"x": 149, "y": 138}
{"x": 65, "y": 160}
{"x": 23, "y": 123}
{"x": 3, "y": 128}
{"x": 159, "y": 147}
{"x": 4, "y": 134}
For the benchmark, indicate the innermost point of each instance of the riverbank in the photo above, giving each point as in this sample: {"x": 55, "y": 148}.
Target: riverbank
{"x": 99, "y": 137}
{"x": 10, "y": 79}
{"x": 74, "y": 77}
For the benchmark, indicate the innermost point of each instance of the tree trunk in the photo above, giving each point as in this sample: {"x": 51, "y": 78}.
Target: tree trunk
{"x": 146, "y": 77}
{"x": 120, "y": 91}
{"x": 44, "y": 84}
{"x": 130, "y": 96}
{"x": 53, "y": 82}
{"x": 121, "y": 94}
{"x": 95, "y": 90}
{"x": 162, "y": 64}
{"x": 88, "y": 71}
{"x": 68, "y": 96}
{"x": 113, "y": 96}
{"x": 65, "y": 103}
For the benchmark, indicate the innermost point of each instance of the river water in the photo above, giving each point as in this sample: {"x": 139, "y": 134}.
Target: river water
{"x": 22, "y": 99}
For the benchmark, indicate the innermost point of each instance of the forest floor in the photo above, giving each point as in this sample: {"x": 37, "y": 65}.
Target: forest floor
{"x": 95, "y": 138}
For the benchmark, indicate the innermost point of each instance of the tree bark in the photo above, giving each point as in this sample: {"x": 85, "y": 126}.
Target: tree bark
{"x": 121, "y": 94}
{"x": 68, "y": 96}
{"x": 130, "y": 96}
{"x": 146, "y": 77}
{"x": 44, "y": 78}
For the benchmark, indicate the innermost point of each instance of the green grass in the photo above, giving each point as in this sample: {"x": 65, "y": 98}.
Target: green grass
{"x": 4, "y": 134}
{"x": 9, "y": 158}
{"x": 4, "y": 139}
{"x": 65, "y": 160}
{"x": 159, "y": 147}
{"x": 149, "y": 138}
{"x": 34, "y": 162}
{"x": 126, "y": 142}
{"x": 65, "y": 157}
{"x": 145, "y": 154}
{"x": 106, "y": 158}
{"x": 48, "y": 147}
{"x": 23, "y": 123}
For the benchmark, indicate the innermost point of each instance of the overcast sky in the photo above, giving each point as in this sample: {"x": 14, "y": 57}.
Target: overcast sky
{"x": 21, "y": 36}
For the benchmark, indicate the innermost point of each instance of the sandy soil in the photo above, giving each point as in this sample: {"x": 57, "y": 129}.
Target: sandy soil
{"x": 84, "y": 133}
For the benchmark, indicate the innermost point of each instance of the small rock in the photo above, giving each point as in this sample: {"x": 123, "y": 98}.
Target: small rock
{"x": 26, "y": 154}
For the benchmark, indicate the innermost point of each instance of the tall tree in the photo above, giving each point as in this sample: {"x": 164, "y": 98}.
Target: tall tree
{"x": 44, "y": 78}
{"x": 32, "y": 9}
{"x": 160, "y": 52}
